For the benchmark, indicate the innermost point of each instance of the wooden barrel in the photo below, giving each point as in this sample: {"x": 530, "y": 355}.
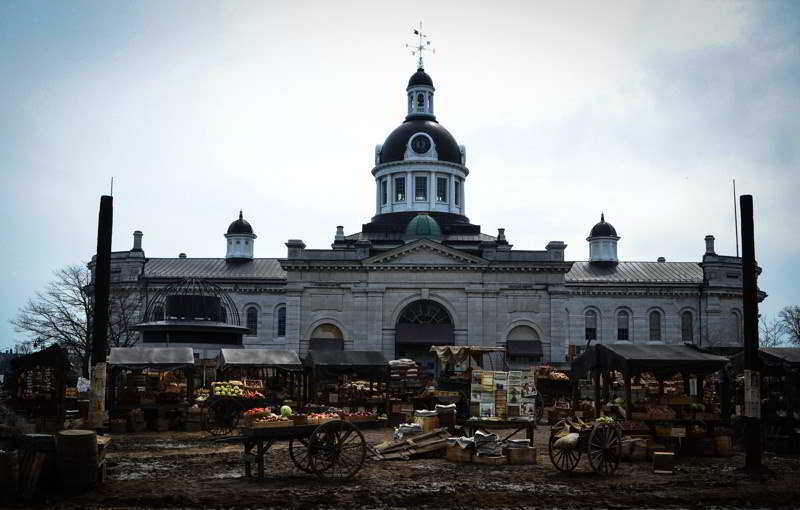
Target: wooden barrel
{"x": 9, "y": 472}
{"x": 722, "y": 445}
{"x": 76, "y": 458}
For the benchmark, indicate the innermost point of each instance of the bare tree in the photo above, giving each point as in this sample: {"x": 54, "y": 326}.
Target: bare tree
{"x": 770, "y": 332}
{"x": 789, "y": 319}
{"x": 63, "y": 312}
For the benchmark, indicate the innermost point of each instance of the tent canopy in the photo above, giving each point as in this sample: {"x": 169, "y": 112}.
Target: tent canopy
{"x": 658, "y": 359}
{"x": 529, "y": 348}
{"x": 162, "y": 358}
{"x": 270, "y": 358}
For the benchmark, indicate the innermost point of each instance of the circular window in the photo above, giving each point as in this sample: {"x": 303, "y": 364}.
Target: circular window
{"x": 420, "y": 144}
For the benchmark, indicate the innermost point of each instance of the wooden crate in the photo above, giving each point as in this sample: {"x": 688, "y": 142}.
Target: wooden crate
{"x": 671, "y": 431}
{"x": 457, "y": 454}
{"x": 663, "y": 463}
{"x": 521, "y": 455}
{"x": 492, "y": 461}
{"x": 428, "y": 423}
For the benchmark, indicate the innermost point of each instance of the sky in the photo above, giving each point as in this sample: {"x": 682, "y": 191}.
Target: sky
{"x": 643, "y": 110}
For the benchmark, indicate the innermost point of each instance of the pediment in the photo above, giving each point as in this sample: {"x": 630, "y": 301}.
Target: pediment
{"x": 424, "y": 252}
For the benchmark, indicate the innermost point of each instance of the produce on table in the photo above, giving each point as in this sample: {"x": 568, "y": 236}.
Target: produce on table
{"x": 634, "y": 425}
{"x": 605, "y": 419}
{"x": 286, "y": 411}
{"x": 258, "y": 411}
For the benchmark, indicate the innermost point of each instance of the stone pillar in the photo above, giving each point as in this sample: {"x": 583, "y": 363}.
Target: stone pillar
{"x": 432, "y": 191}
{"x": 451, "y": 189}
{"x": 410, "y": 188}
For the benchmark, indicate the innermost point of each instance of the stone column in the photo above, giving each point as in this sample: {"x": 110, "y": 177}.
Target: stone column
{"x": 410, "y": 191}
{"x": 451, "y": 187}
{"x": 432, "y": 191}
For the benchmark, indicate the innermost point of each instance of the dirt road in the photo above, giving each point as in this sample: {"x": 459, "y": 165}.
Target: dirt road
{"x": 169, "y": 470}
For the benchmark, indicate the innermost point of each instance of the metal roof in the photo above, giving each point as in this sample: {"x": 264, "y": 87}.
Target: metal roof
{"x": 788, "y": 354}
{"x": 144, "y": 357}
{"x": 212, "y": 268}
{"x": 259, "y": 358}
{"x": 636, "y": 272}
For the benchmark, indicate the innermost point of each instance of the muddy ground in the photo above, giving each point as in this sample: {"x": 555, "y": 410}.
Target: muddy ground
{"x": 185, "y": 470}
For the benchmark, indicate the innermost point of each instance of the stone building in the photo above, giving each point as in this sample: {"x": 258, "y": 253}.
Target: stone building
{"x": 420, "y": 273}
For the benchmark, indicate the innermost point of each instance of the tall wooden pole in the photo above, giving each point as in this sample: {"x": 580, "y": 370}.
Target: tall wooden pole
{"x": 750, "y": 323}
{"x": 102, "y": 289}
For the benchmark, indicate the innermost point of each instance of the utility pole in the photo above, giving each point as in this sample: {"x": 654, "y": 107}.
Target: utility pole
{"x": 752, "y": 375}
{"x": 102, "y": 289}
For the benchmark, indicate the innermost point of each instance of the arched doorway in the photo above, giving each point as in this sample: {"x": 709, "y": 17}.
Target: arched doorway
{"x": 421, "y": 324}
{"x": 326, "y": 337}
{"x": 524, "y": 347}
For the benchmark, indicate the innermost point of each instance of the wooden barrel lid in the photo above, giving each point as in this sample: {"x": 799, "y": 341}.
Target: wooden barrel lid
{"x": 76, "y": 433}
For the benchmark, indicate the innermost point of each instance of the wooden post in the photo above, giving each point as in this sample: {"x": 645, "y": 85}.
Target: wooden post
{"x": 597, "y": 406}
{"x": 628, "y": 398}
{"x": 102, "y": 290}
{"x": 752, "y": 418}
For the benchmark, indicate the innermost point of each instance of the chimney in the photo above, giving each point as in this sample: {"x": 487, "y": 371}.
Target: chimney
{"x": 181, "y": 255}
{"x": 339, "y": 233}
{"x": 662, "y": 259}
{"x": 137, "y": 240}
{"x": 501, "y": 235}
{"x": 710, "y": 245}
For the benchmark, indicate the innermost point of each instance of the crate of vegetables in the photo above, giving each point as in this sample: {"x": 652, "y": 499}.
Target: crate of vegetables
{"x": 272, "y": 421}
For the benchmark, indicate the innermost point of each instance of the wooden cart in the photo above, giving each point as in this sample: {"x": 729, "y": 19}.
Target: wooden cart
{"x": 222, "y": 414}
{"x": 602, "y": 442}
{"x": 334, "y": 450}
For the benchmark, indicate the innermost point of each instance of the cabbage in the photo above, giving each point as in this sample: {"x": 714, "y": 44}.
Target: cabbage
{"x": 286, "y": 411}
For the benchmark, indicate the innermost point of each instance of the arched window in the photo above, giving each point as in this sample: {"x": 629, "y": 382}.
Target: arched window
{"x": 252, "y": 320}
{"x": 420, "y": 102}
{"x": 281, "y": 321}
{"x": 623, "y": 325}
{"x": 326, "y": 337}
{"x": 655, "y": 326}
{"x": 687, "y": 327}
{"x": 590, "y": 320}
{"x": 158, "y": 313}
{"x": 737, "y": 325}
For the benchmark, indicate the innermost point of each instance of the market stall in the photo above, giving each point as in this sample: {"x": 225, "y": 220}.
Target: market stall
{"x": 251, "y": 379}
{"x": 780, "y": 399}
{"x": 150, "y": 384}
{"x": 679, "y": 415}
{"x": 37, "y": 384}
{"x": 354, "y": 380}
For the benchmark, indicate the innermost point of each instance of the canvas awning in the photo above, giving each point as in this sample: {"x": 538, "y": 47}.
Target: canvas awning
{"x": 326, "y": 344}
{"x": 659, "y": 359}
{"x": 456, "y": 354}
{"x": 527, "y": 348}
{"x": 359, "y": 363}
{"x": 162, "y": 358}
{"x": 269, "y": 358}
{"x": 772, "y": 359}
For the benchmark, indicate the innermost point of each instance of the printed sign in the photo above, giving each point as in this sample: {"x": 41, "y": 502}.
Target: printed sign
{"x": 752, "y": 394}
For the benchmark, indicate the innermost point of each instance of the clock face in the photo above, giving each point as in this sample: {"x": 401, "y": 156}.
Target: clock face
{"x": 420, "y": 144}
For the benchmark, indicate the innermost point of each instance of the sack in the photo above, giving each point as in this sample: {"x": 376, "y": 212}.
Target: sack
{"x": 567, "y": 442}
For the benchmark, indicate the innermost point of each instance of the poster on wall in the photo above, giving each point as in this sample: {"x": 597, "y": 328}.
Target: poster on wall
{"x": 529, "y": 394}
{"x": 514, "y": 393}
{"x": 487, "y": 410}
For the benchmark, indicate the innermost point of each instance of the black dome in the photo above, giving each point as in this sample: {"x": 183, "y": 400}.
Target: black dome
{"x": 420, "y": 78}
{"x": 603, "y": 229}
{"x": 240, "y": 226}
{"x": 394, "y": 148}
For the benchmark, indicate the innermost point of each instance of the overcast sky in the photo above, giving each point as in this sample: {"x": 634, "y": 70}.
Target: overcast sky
{"x": 644, "y": 110}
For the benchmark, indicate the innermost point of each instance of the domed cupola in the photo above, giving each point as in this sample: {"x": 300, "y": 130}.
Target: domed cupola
{"x": 603, "y": 242}
{"x": 423, "y": 226}
{"x": 240, "y": 239}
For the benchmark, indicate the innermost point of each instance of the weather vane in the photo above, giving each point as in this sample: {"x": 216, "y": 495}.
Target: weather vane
{"x": 423, "y": 44}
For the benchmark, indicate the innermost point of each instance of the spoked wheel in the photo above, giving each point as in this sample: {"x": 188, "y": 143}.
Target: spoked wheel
{"x": 222, "y": 416}
{"x": 337, "y": 450}
{"x": 300, "y": 454}
{"x": 564, "y": 459}
{"x": 604, "y": 448}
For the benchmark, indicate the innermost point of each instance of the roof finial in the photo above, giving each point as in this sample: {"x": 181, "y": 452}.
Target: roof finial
{"x": 422, "y": 45}
{"x": 240, "y": 214}
{"x": 602, "y": 218}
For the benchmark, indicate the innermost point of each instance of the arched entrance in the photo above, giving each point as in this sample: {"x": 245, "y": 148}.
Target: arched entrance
{"x": 524, "y": 347}
{"x": 326, "y": 337}
{"x": 421, "y": 324}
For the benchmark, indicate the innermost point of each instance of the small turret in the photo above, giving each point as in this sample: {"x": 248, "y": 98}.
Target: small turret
{"x": 603, "y": 243}
{"x": 240, "y": 239}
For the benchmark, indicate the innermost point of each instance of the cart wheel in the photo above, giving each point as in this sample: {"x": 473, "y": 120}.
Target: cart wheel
{"x": 222, "y": 416}
{"x": 604, "y": 448}
{"x": 300, "y": 455}
{"x": 564, "y": 460}
{"x": 337, "y": 450}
